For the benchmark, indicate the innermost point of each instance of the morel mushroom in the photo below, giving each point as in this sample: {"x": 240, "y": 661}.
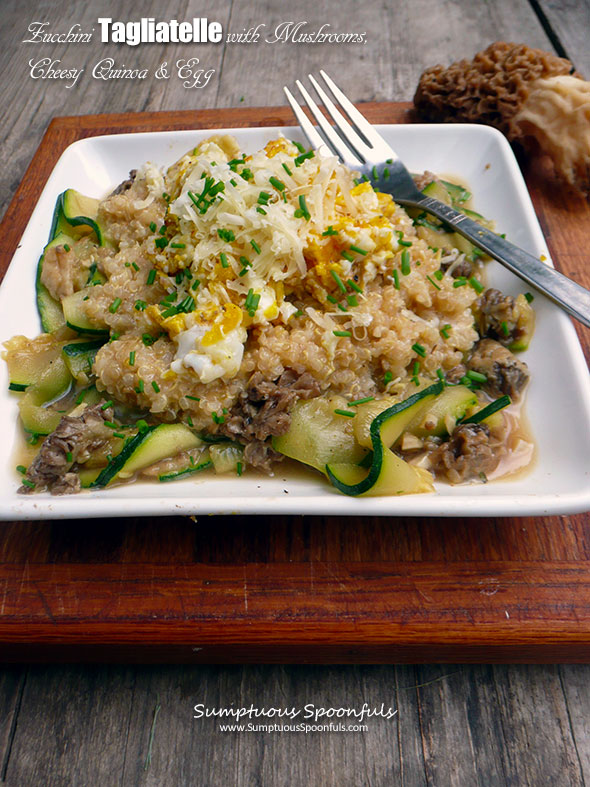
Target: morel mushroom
{"x": 530, "y": 95}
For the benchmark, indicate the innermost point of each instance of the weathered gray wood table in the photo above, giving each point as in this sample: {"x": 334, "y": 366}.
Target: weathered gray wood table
{"x": 462, "y": 725}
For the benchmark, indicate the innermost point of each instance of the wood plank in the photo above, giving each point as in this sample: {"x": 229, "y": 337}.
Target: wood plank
{"x": 32, "y": 109}
{"x": 72, "y": 727}
{"x": 356, "y": 611}
{"x": 387, "y": 67}
{"x": 333, "y": 759}
{"x": 532, "y": 708}
{"x": 569, "y": 22}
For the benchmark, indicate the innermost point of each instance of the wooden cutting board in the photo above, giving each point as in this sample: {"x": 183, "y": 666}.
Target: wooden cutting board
{"x": 293, "y": 588}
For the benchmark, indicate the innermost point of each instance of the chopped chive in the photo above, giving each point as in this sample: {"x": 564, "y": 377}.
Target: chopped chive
{"x": 347, "y": 256}
{"x": 387, "y": 378}
{"x": 298, "y": 160}
{"x": 356, "y": 402}
{"x": 354, "y": 286}
{"x": 189, "y": 421}
{"x": 444, "y": 331}
{"x": 331, "y": 298}
{"x": 155, "y": 386}
{"x": 351, "y": 300}
{"x": 439, "y": 275}
{"x": 178, "y": 245}
{"x": 80, "y": 397}
{"x": 255, "y": 246}
{"x": 477, "y": 377}
{"x": 440, "y": 374}
{"x": 374, "y": 173}
{"x": 505, "y": 328}
{"x": 161, "y": 243}
{"x": 303, "y": 207}
{"x": 342, "y": 307}
{"x": 477, "y": 285}
{"x": 153, "y": 227}
{"x": 194, "y": 398}
{"x": 245, "y": 261}
{"x": 223, "y": 258}
{"x": 342, "y": 333}
{"x": 147, "y": 339}
{"x": 239, "y": 468}
{"x": 460, "y": 281}
{"x": 419, "y": 349}
{"x": 415, "y": 368}
{"x": 119, "y": 435}
{"x": 278, "y": 184}
{"x": 227, "y": 235}
{"x": 135, "y": 266}
{"x": 338, "y": 280}
{"x": 106, "y": 405}
{"x": 358, "y": 250}
{"x": 132, "y": 358}
{"x": 530, "y": 298}
{"x": 434, "y": 284}
{"x": 195, "y": 284}
{"x": 347, "y": 413}
{"x": 151, "y": 276}
{"x": 261, "y": 210}
{"x": 66, "y": 246}
{"x": 142, "y": 425}
{"x": 114, "y": 305}
{"x": 111, "y": 425}
{"x": 263, "y": 198}
{"x": 396, "y": 279}
{"x": 330, "y": 231}
{"x": 140, "y": 305}
{"x": 140, "y": 387}
{"x": 490, "y": 409}
{"x": 28, "y": 483}
{"x": 21, "y": 469}
{"x": 405, "y": 262}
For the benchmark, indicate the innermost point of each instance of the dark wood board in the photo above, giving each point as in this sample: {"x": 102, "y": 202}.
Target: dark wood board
{"x": 292, "y": 588}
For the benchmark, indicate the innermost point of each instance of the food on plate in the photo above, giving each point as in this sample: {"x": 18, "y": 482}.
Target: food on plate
{"x": 530, "y": 95}
{"x": 238, "y": 309}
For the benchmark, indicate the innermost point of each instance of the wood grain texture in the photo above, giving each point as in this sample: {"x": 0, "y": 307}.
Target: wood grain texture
{"x": 387, "y": 67}
{"x": 569, "y": 21}
{"x": 481, "y": 707}
{"x": 290, "y": 588}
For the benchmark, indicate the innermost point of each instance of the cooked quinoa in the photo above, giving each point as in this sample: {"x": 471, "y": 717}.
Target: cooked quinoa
{"x": 301, "y": 305}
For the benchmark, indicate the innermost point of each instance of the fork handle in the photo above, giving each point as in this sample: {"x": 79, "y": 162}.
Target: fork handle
{"x": 572, "y": 297}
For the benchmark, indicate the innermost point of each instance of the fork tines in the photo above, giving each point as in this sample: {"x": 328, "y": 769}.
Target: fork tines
{"x": 356, "y": 142}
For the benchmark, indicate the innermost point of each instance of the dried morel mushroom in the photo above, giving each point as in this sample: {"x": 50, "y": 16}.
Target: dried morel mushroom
{"x": 530, "y": 95}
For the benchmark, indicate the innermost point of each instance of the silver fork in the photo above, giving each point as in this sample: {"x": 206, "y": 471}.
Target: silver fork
{"x": 360, "y": 147}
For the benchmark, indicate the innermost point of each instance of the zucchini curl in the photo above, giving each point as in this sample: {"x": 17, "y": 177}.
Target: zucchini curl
{"x": 531, "y": 96}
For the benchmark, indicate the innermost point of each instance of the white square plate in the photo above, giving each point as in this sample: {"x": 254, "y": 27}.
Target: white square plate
{"x": 558, "y": 401}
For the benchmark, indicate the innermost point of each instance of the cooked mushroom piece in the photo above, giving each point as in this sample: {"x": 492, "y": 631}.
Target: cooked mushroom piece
{"x": 505, "y": 374}
{"x": 508, "y": 320}
{"x": 74, "y": 439}
{"x": 467, "y": 454}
